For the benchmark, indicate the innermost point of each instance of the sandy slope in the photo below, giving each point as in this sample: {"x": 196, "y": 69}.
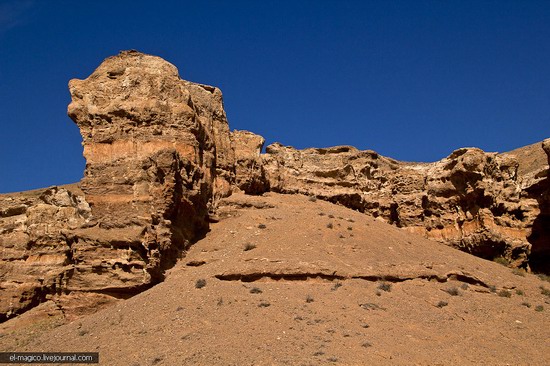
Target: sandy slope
{"x": 312, "y": 290}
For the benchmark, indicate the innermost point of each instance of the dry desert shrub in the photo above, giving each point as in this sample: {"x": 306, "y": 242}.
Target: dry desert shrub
{"x": 249, "y": 246}
{"x": 453, "y": 291}
{"x": 255, "y": 290}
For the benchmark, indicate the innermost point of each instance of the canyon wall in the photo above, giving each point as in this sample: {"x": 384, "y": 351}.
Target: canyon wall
{"x": 479, "y": 202}
{"x": 159, "y": 156}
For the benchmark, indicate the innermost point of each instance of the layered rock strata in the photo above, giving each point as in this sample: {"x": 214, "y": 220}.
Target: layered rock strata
{"x": 160, "y": 156}
{"x": 472, "y": 200}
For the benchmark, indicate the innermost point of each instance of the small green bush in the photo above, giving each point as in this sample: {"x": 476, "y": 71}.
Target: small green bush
{"x": 200, "y": 283}
{"x": 501, "y": 260}
{"x": 539, "y": 308}
{"x": 519, "y": 272}
{"x": 504, "y": 293}
{"x": 384, "y": 286}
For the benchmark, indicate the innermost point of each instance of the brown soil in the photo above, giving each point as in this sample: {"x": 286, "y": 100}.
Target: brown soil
{"x": 293, "y": 281}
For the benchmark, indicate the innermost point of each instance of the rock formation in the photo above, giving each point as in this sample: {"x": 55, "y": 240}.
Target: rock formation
{"x": 160, "y": 155}
{"x": 158, "y": 151}
{"x": 472, "y": 200}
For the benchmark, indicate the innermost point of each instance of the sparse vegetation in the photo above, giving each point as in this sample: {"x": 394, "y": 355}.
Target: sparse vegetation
{"x": 336, "y": 286}
{"x": 504, "y": 293}
{"x": 544, "y": 291}
{"x": 82, "y": 332}
{"x": 520, "y": 292}
{"x": 309, "y": 298}
{"x": 493, "y": 288}
{"x": 501, "y": 260}
{"x": 261, "y": 226}
{"x": 464, "y": 286}
{"x": 543, "y": 277}
{"x": 255, "y": 290}
{"x": 442, "y": 304}
{"x": 329, "y": 225}
{"x": 200, "y": 283}
{"x": 526, "y": 304}
{"x": 384, "y": 286}
{"x": 249, "y": 246}
{"x": 453, "y": 291}
{"x": 519, "y": 272}
{"x": 539, "y": 308}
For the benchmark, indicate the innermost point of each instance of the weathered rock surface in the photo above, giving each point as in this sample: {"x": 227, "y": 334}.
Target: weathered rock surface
{"x": 472, "y": 200}
{"x": 160, "y": 157}
{"x": 157, "y": 149}
{"x": 537, "y": 187}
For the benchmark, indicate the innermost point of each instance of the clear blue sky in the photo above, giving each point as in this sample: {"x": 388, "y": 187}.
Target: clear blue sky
{"x": 413, "y": 80}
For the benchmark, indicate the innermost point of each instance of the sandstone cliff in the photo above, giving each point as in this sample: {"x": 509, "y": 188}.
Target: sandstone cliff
{"x": 479, "y": 202}
{"x": 160, "y": 156}
{"x": 158, "y": 152}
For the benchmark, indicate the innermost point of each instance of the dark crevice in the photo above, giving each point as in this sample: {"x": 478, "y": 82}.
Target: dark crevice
{"x": 252, "y": 277}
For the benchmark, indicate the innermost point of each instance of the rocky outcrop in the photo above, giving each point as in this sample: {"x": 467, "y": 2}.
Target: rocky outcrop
{"x": 537, "y": 187}
{"x": 37, "y": 245}
{"x": 158, "y": 150}
{"x": 472, "y": 200}
{"x": 160, "y": 156}
{"x": 249, "y": 171}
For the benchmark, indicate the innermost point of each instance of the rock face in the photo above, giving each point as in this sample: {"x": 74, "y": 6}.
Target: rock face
{"x": 472, "y": 200}
{"x": 538, "y": 188}
{"x": 160, "y": 156}
{"x": 37, "y": 247}
{"x": 158, "y": 153}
